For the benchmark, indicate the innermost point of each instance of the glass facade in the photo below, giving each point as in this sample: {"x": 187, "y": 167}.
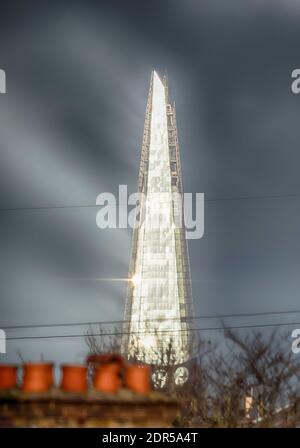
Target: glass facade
{"x": 159, "y": 301}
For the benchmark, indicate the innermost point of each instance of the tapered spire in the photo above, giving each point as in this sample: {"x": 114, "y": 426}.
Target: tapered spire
{"x": 159, "y": 297}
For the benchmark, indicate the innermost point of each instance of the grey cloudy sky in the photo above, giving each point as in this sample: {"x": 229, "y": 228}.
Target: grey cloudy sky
{"x": 71, "y": 127}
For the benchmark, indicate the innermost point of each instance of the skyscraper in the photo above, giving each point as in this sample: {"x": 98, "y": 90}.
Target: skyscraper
{"x": 159, "y": 296}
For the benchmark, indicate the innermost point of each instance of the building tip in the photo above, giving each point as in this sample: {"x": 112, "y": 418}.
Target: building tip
{"x": 157, "y": 78}
{"x": 156, "y": 74}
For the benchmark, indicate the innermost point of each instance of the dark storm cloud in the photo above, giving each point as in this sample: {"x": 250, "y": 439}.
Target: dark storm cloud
{"x": 71, "y": 127}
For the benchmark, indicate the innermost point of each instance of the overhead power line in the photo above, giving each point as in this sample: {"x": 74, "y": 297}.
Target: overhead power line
{"x": 220, "y": 199}
{"x": 112, "y": 322}
{"x": 224, "y": 328}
